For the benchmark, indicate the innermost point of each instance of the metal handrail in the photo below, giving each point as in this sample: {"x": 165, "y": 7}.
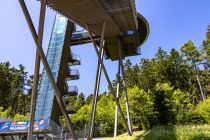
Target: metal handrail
{"x": 75, "y": 56}
{"x": 80, "y": 35}
{"x": 139, "y": 50}
{"x": 72, "y": 89}
{"x": 74, "y": 72}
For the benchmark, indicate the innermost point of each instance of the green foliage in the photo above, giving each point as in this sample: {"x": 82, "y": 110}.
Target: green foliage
{"x": 19, "y": 117}
{"x": 8, "y": 113}
{"x": 206, "y": 49}
{"x": 105, "y": 115}
{"x": 141, "y": 106}
{"x": 203, "y": 109}
{"x": 81, "y": 117}
{"x": 14, "y": 95}
{"x": 89, "y": 99}
{"x": 80, "y": 101}
{"x": 182, "y": 106}
{"x": 163, "y": 104}
{"x": 190, "y": 52}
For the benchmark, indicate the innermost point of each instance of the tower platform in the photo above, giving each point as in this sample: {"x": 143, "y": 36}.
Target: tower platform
{"x": 124, "y": 24}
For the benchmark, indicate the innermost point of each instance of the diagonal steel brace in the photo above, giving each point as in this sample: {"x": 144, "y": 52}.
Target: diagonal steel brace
{"x": 108, "y": 80}
{"x": 47, "y": 68}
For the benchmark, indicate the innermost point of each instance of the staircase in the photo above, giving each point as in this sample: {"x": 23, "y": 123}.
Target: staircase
{"x": 60, "y": 59}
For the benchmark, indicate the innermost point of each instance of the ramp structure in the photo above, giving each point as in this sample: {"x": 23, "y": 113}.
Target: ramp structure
{"x": 116, "y": 31}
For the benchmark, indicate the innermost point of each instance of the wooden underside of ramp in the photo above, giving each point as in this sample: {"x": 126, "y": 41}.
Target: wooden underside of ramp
{"x": 120, "y": 15}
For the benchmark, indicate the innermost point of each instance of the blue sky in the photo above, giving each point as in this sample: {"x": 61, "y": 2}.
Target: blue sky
{"x": 172, "y": 22}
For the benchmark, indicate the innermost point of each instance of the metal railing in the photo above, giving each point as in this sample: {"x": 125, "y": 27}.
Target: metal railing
{"x": 75, "y": 57}
{"x": 80, "y": 35}
{"x": 72, "y": 89}
{"x": 69, "y": 90}
{"x": 139, "y": 50}
{"x": 73, "y": 72}
{"x": 54, "y": 129}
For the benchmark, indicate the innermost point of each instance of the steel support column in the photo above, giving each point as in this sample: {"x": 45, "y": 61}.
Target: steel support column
{"x": 117, "y": 96}
{"x": 97, "y": 84}
{"x": 47, "y": 68}
{"x": 36, "y": 71}
{"x": 124, "y": 86}
{"x": 108, "y": 80}
{"x": 95, "y": 97}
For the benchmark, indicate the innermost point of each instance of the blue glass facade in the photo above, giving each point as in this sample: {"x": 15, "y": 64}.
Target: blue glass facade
{"x": 45, "y": 98}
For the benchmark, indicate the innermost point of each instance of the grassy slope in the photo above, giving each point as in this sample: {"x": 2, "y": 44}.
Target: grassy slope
{"x": 125, "y": 136}
{"x": 191, "y": 132}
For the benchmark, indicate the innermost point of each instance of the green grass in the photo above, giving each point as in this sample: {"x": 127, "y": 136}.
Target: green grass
{"x": 125, "y": 136}
{"x": 188, "y": 132}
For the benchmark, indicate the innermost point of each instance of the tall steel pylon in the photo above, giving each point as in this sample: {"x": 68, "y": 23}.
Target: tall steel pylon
{"x": 97, "y": 83}
{"x": 98, "y": 75}
{"x": 119, "y": 76}
{"x": 117, "y": 95}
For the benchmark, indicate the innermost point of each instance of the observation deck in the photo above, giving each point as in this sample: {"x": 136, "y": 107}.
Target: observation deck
{"x": 72, "y": 74}
{"x": 123, "y": 23}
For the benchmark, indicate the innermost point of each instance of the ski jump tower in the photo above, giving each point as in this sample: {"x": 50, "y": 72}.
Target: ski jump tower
{"x": 115, "y": 29}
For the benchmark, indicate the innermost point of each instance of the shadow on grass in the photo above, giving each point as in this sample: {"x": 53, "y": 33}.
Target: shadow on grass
{"x": 159, "y": 133}
{"x": 140, "y": 136}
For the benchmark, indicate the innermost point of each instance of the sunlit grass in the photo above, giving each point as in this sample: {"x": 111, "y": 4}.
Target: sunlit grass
{"x": 125, "y": 136}
{"x": 188, "y": 132}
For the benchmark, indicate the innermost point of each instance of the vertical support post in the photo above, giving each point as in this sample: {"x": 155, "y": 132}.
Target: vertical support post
{"x": 201, "y": 90}
{"x": 198, "y": 79}
{"x": 109, "y": 81}
{"x": 117, "y": 96}
{"x": 124, "y": 87}
{"x": 47, "y": 68}
{"x": 85, "y": 131}
{"x": 62, "y": 133}
{"x": 97, "y": 84}
{"x": 36, "y": 71}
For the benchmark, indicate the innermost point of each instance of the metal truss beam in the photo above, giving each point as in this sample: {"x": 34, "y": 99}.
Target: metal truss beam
{"x": 108, "y": 80}
{"x": 47, "y": 68}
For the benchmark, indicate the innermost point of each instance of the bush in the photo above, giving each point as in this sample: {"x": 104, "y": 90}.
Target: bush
{"x": 203, "y": 110}
{"x": 194, "y": 118}
{"x": 19, "y": 117}
{"x": 141, "y": 106}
